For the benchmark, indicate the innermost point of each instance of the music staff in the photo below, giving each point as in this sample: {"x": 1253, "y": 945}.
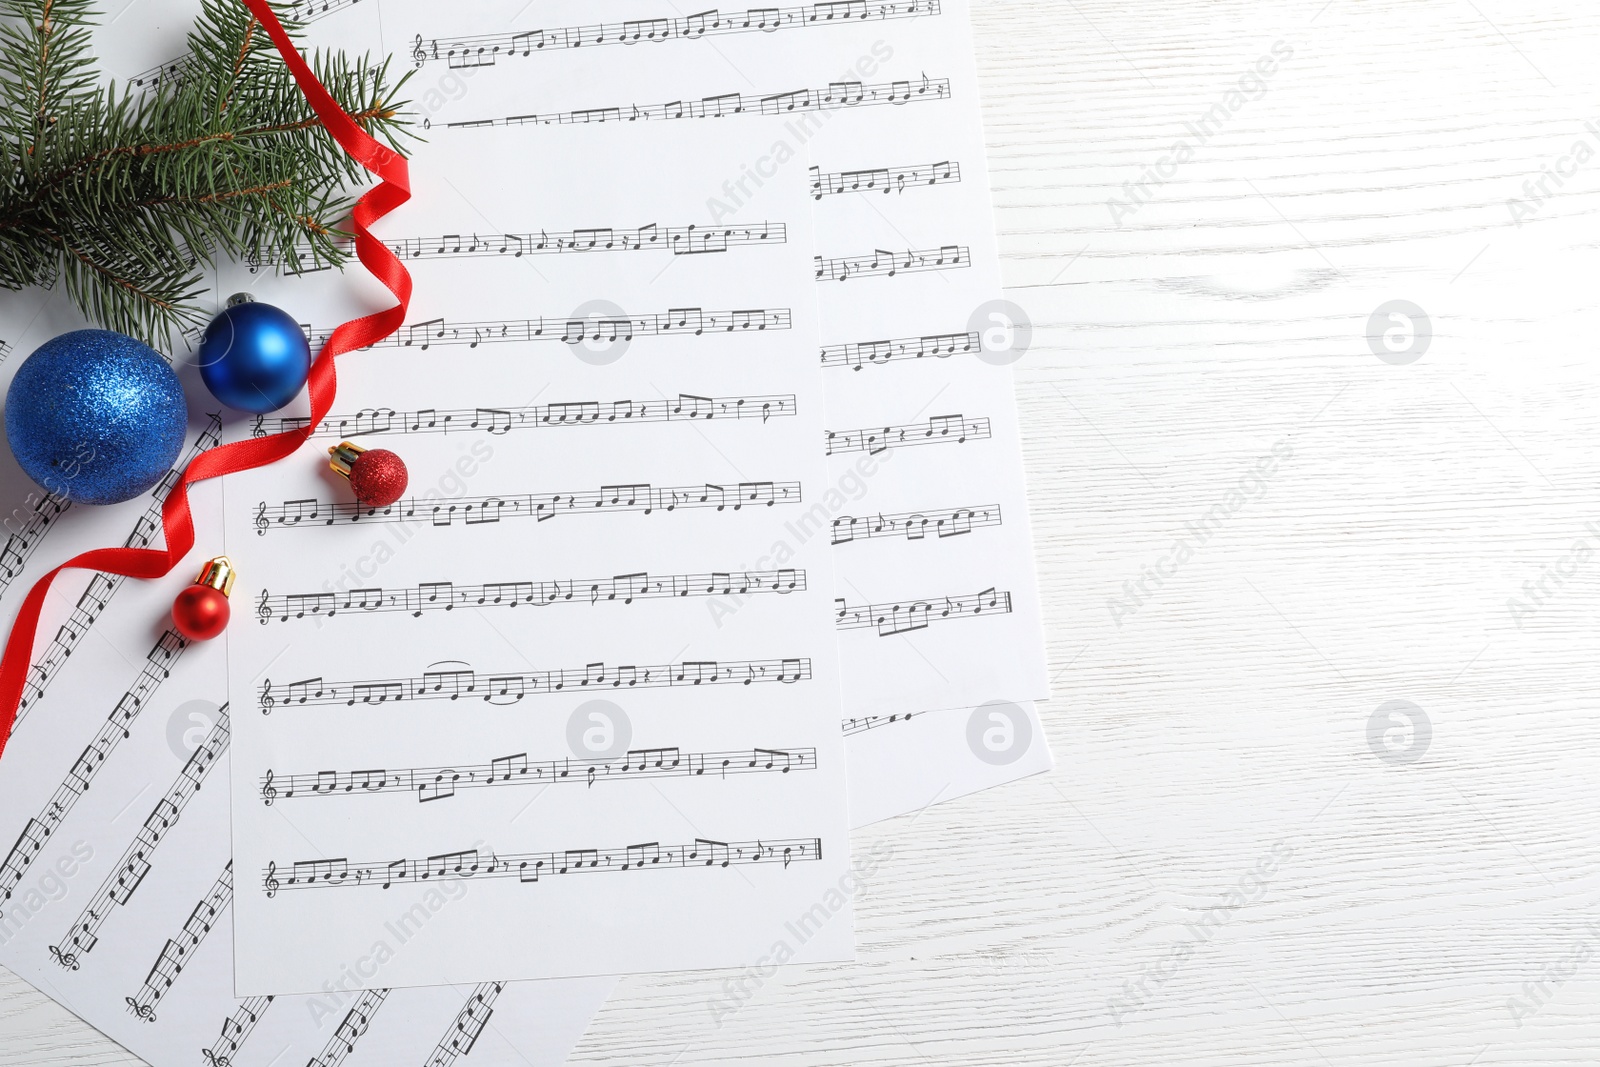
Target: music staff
{"x": 882, "y": 179}
{"x": 178, "y": 950}
{"x": 939, "y": 429}
{"x": 479, "y": 510}
{"x": 915, "y": 525}
{"x": 304, "y": 11}
{"x": 235, "y": 1029}
{"x": 121, "y": 882}
{"x": 939, "y": 346}
{"x": 884, "y": 263}
{"x": 5, "y": 350}
{"x": 441, "y": 783}
{"x": 904, "y": 617}
{"x": 687, "y": 407}
{"x": 350, "y": 1029}
{"x": 467, "y": 1026}
{"x": 621, "y": 589}
{"x": 673, "y": 322}
{"x": 836, "y": 96}
{"x": 453, "y": 680}
{"x": 530, "y": 867}
{"x": 170, "y": 73}
{"x": 872, "y": 722}
{"x": 484, "y": 49}
{"x": 102, "y": 586}
{"x": 20, "y": 545}
{"x": 37, "y": 831}
{"x": 690, "y": 240}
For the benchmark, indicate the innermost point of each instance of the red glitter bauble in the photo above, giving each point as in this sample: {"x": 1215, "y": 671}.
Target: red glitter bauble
{"x": 200, "y": 612}
{"x": 378, "y": 477}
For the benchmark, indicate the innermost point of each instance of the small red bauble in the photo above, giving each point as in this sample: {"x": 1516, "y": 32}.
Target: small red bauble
{"x": 377, "y": 476}
{"x": 201, "y": 611}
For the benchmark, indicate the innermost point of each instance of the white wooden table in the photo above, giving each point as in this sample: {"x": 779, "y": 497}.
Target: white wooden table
{"x": 1231, "y": 864}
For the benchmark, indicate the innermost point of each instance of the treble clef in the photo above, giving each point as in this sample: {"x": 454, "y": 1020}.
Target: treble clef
{"x": 263, "y": 612}
{"x": 259, "y": 430}
{"x": 143, "y": 1011}
{"x": 417, "y": 52}
{"x": 267, "y": 701}
{"x": 272, "y": 880}
{"x": 261, "y": 520}
{"x": 269, "y": 792}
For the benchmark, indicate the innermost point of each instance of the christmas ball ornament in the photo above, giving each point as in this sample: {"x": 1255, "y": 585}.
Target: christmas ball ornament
{"x": 377, "y": 475}
{"x": 254, "y": 357}
{"x": 201, "y": 612}
{"x": 95, "y": 416}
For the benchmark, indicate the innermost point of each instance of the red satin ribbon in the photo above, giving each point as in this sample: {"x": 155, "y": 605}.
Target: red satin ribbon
{"x": 177, "y": 524}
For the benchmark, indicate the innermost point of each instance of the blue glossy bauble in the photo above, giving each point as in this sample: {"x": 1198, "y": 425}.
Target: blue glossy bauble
{"x": 254, "y": 357}
{"x": 95, "y": 416}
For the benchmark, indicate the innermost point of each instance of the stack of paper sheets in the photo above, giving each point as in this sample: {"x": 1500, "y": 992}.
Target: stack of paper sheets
{"x": 671, "y": 602}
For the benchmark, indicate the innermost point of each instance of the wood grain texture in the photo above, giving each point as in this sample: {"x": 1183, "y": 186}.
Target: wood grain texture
{"x": 1222, "y": 870}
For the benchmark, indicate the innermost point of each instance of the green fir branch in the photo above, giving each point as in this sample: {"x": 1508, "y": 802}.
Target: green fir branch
{"x": 127, "y": 197}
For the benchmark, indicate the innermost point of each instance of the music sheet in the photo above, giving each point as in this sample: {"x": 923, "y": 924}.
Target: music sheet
{"x": 116, "y": 881}
{"x": 610, "y": 412}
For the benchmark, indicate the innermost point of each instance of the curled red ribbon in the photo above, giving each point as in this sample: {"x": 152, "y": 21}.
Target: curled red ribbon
{"x": 177, "y": 524}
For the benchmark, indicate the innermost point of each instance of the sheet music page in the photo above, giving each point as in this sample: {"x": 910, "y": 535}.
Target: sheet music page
{"x": 511, "y": 678}
{"x": 116, "y": 880}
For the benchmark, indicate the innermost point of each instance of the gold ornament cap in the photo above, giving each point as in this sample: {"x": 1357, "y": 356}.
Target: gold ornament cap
{"x": 218, "y": 574}
{"x": 344, "y": 454}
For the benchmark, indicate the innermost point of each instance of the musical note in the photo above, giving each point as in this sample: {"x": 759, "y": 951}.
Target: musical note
{"x": 882, "y": 179}
{"x": 467, "y": 1026}
{"x": 424, "y": 335}
{"x": 126, "y": 876}
{"x": 940, "y": 429}
{"x": 524, "y": 866}
{"x": 564, "y": 413}
{"x": 901, "y": 617}
{"x": 485, "y": 49}
{"x": 81, "y": 774}
{"x": 102, "y": 586}
{"x": 915, "y": 525}
{"x": 178, "y": 950}
{"x": 685, "y": 240}
{"x": 439, "y": 783}
{"x": 510, "y": 688}
{"x": 235, "y": 1029}
{"x": 350, "y": 1029}
{"x": 872, "y": 722}
{"x": 835, "y": 97}
{"x": 621, "y": 589}
{"x": 888, "y": 264}
{"x": 864, "y": 353}
{"x": 540, "y": 506}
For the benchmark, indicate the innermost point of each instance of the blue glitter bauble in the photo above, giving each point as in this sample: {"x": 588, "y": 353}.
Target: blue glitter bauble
{"x": 95, "y": 416}
{"x": 254, "y": 358}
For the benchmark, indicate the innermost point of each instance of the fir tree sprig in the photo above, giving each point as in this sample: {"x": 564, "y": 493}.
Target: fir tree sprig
{"x": 125, "y": 196}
